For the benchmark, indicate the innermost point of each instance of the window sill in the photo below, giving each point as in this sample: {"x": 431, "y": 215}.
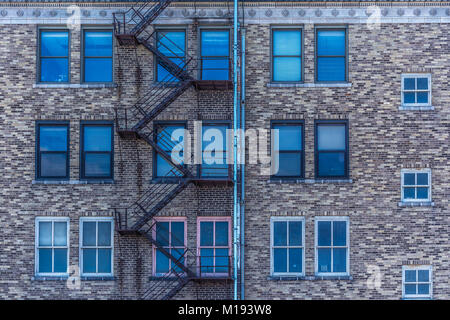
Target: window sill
{"x": 64, "y": 278}
{"x": 309, "y": 85}
{"x": 100, "y": 278}
{"x": 75, "y": 85}
{"x": 416, "y": 204}
{"x": 416, "y": 108}
{"x": 108, "y": 181}
{"x": 296, "y": 181}
{"x": 308, "y": 278}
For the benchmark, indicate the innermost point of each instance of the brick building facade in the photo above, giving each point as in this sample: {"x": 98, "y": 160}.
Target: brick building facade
{"x": 360, "y": 234}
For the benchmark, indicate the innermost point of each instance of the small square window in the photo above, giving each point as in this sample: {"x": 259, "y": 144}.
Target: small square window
{"x": 416, "y": 90}
{"x": 416, "y": 185}
{"x": 417, "y": 282}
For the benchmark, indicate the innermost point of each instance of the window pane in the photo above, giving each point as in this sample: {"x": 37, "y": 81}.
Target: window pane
{"x": 221, "y": 234}
{"x": 53, "y": 165}
{"x": 287, "y": 69}
{"x": 422, "y": 83}
{"x": 289, "y": 137}
{"x": 206, "y": 233}
{"x": 54, "y": 70}
{"x": 170, "y": 136}
{"x": 89, "y": 260}
{"x": 289, "y": 164}
{"x": 409, "y": 83}
{"x": 423, "y": 275}
{"x": 331, "y": 42}
{"x": 422, "y": 193}
{"x": 214, "y": 136}
{"x": 295, "y": 233}
{"x": 422, "y": 179}
{"x": 97, "y": 164}
{"x": 164, "y": 75}
{"x": 162, "y": 233}
{"x": 339, "y": 233}
{"x": 409, "y": 193}
{"x": 60, "y": 260}
{"x": 163, "y": 167}
{"x": 409, "y": 97}
{"x": 60, "y": 234}
{"x": 422, "y": 97}
{"x": 280, "y": 233}
{"x": 410, "y": 288}
{"x": 324, "y": 233}
{"x": 97, "y": 138}
{"x": 331, "y": 137}
{"x": 98, "y": 70}
{"x": 207, "y": 260}
{"x": 171, "y": 43}
{"x": 279, "y": 260}
{"x": 324, "y": 260}
{"x": 339, "y": 260}
{"x": 104, "y": 260}
{"x": 410, "y": 276}
{"x": 215, "y": 43}
{"x": 330, "y": 69}
{"x": 45, "y": 260}
{"x": 45, "y": 233}
{"x": 53, "y": 138}
{"x": 423, "y": 289}
{"x": 54, "y": 43}
{"x": 162, "y": 262}
{"x": 287, "y": 42}
{"x": 89, "y": 233}
{"x": 222, "y": 260}
{"x": 177, "y": 253}
{"x": 409, "y": 179}
{"x": 177, "y": 234}
{"x": 98, "y": 43}
{"x": 331, "y": 164}
{"x": 295, "y": 260}
{"x": 215, "y": 69}
{"x": 104, "y": 233}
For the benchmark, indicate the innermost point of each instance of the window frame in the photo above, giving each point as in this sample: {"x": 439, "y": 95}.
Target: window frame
{"x": 272, "y": 238}
{"x": 214, "y": 219}
{"x": 415, "y": 91}
{"x": 272, "y": 56}
{"x": 168, "y": 28}
{"x": 154, "y": 248}
{"x": 214, "y": 28}
{"x": 317, "y": 123}
{"x": 317, "y": 247}
{"x": 41, "y": 29}
{"x": 94, "y": 123}
{"x": 52, "y": 247}
{"x": 417, "y": 296}
{"x": 415, "y": 186}
{"x": 318, "y": 28}
{"x": 38, "y": 152}
{"x": 81, "y": 247}
{"x": 302, "y": 152}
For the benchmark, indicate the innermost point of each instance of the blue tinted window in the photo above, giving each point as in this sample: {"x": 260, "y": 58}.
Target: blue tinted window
{"x": 98, "y": 52}
{"x": 52, "y": 247}
{"x": 287, "y": 246}
{"x": 280, "y": 260}
{"x": 331, "y": 55}
{"x": 171, "y": 44}
{"x": 54, "y": 56}
{"x": 215, "y": 53}
{"x": 97, "y": 151}
{"x": 287, "y": 51}
{"x": 332, "y": 246}
{"x": 52, "y": 156}
{"x": 331, "y": 150}
{"x": 170, "y": 138}
{"x": 288, "y": 146}
{"x": 97, "y": 247}
{"x": 214, "y": 147}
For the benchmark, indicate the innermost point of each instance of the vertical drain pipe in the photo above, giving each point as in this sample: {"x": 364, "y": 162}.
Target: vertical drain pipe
{"x": 242, "y": 205}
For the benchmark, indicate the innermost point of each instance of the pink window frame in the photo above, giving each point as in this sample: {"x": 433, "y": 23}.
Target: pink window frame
{"x": 170, "y": 220}
{"x": 213, "y": 219}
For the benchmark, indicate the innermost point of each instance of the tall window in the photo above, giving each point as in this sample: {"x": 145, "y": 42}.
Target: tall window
{"x": 215, "y": 54}
{"x": 331, "y": 55}
{"x": 96, "y": 246}
{"x": 170, "y": 138}
{"x": 287, "y": 245}
{"x": 416, "y": 185}
{"x": 331, "y": 146}
{"x": 98, "y": 56}
{"x": 52, "y": 245}
{"x": 288, "y": 149}
{"x": 287, "y": 55}
{"x": 52, "y": 150}
{"x": 214, "y": 245}
{"x": 332, "y": 245}
{"x": 54, "y": 56}
{"x": 417, "y": 282}
{"x": 97, "y": 151}
{"x": 416, "y": 89}
{"x": 172, "y": 44}
{"x": 170, "y": 233}
{"x": 214, "y": 150}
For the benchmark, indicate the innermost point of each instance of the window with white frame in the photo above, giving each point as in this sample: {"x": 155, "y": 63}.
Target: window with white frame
{"x": 287, "y": 246}
{"x": 96, "y": 246}
{"x": 417, "y": 282}
{"x": 52, "y": 245}
{"x": 416, "y": 89}
{"x": 332, "y": 245}
{"x": 416, "y": 185}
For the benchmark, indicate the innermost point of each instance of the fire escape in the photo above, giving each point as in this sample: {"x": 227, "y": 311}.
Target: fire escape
{"x": 131, "y": 28}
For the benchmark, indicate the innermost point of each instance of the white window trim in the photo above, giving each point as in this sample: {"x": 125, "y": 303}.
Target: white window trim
{"x": 417, "y": 296}
{"x": 402, "y": 172}
{"x": 290, "y": 218}
{"x": 96, "y": 219}
{"x": 36, "y": 245}
{"x": 316, "y": 255}
{"x": 416, "y": 75}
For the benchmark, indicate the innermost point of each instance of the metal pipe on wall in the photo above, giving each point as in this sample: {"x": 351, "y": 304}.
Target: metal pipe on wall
{"x": 242, "y": 205}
